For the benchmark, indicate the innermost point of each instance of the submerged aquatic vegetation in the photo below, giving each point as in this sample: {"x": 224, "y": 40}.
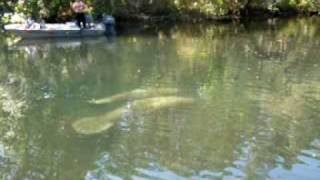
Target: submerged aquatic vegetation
{"x": 136, "y": 94}
{"x": 98, "y": 124}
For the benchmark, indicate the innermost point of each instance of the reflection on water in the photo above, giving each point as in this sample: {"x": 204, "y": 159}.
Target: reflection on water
{"x": 257, "y": 87}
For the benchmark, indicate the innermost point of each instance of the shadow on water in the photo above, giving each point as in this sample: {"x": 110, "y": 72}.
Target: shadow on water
{"x": 258, "y": 84}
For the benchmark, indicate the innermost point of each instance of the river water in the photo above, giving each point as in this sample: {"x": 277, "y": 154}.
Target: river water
{"x": 255, "y": 110}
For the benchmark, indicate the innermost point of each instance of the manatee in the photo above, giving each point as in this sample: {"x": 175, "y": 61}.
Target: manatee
{"x": 157, "y": 103}
{"x": 101, "y": 123}
{"x": 95, "y": 125}
{"x": 136, "y": 94}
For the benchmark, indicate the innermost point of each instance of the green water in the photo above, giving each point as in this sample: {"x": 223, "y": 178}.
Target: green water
{"x": 256, "y": 113}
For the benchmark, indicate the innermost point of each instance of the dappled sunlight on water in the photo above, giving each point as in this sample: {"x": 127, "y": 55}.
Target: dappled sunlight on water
{"x": 181, "y": 102}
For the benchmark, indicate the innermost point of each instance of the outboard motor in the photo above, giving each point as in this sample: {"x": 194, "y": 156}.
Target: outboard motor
{"x": 110, "y": 24}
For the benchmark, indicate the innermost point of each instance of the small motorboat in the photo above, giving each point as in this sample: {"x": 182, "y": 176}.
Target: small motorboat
{"x": 32, "y": 30}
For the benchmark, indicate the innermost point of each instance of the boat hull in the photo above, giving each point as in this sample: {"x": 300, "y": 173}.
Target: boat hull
{"x": 55, "y": 33}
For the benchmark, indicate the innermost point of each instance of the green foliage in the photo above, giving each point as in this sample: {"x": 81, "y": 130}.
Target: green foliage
{"x": 60, "y": 9}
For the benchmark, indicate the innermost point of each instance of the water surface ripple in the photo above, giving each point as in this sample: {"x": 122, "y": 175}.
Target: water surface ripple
{"x": 255, "y": 90}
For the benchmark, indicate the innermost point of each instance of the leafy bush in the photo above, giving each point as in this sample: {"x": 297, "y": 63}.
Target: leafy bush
{"x": 60, "y": 9}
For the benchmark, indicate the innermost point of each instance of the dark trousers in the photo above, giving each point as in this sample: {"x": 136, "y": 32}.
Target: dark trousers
{"x": 81, "y": 18}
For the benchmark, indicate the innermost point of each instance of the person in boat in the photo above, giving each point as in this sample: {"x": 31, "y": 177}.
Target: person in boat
{"x": 30, "y": 23}
{"x": 79, "y": 7}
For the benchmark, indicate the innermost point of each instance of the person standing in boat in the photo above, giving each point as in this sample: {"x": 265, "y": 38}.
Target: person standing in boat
{"x": 79, "y": 7}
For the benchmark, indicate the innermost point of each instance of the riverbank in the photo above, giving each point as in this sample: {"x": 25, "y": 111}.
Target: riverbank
{"x": 193, "y": 16}
{"x": 164, "y": 11}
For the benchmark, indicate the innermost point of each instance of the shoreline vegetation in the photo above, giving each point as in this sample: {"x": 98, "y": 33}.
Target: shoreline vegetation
{"x": 161, "y": 11}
